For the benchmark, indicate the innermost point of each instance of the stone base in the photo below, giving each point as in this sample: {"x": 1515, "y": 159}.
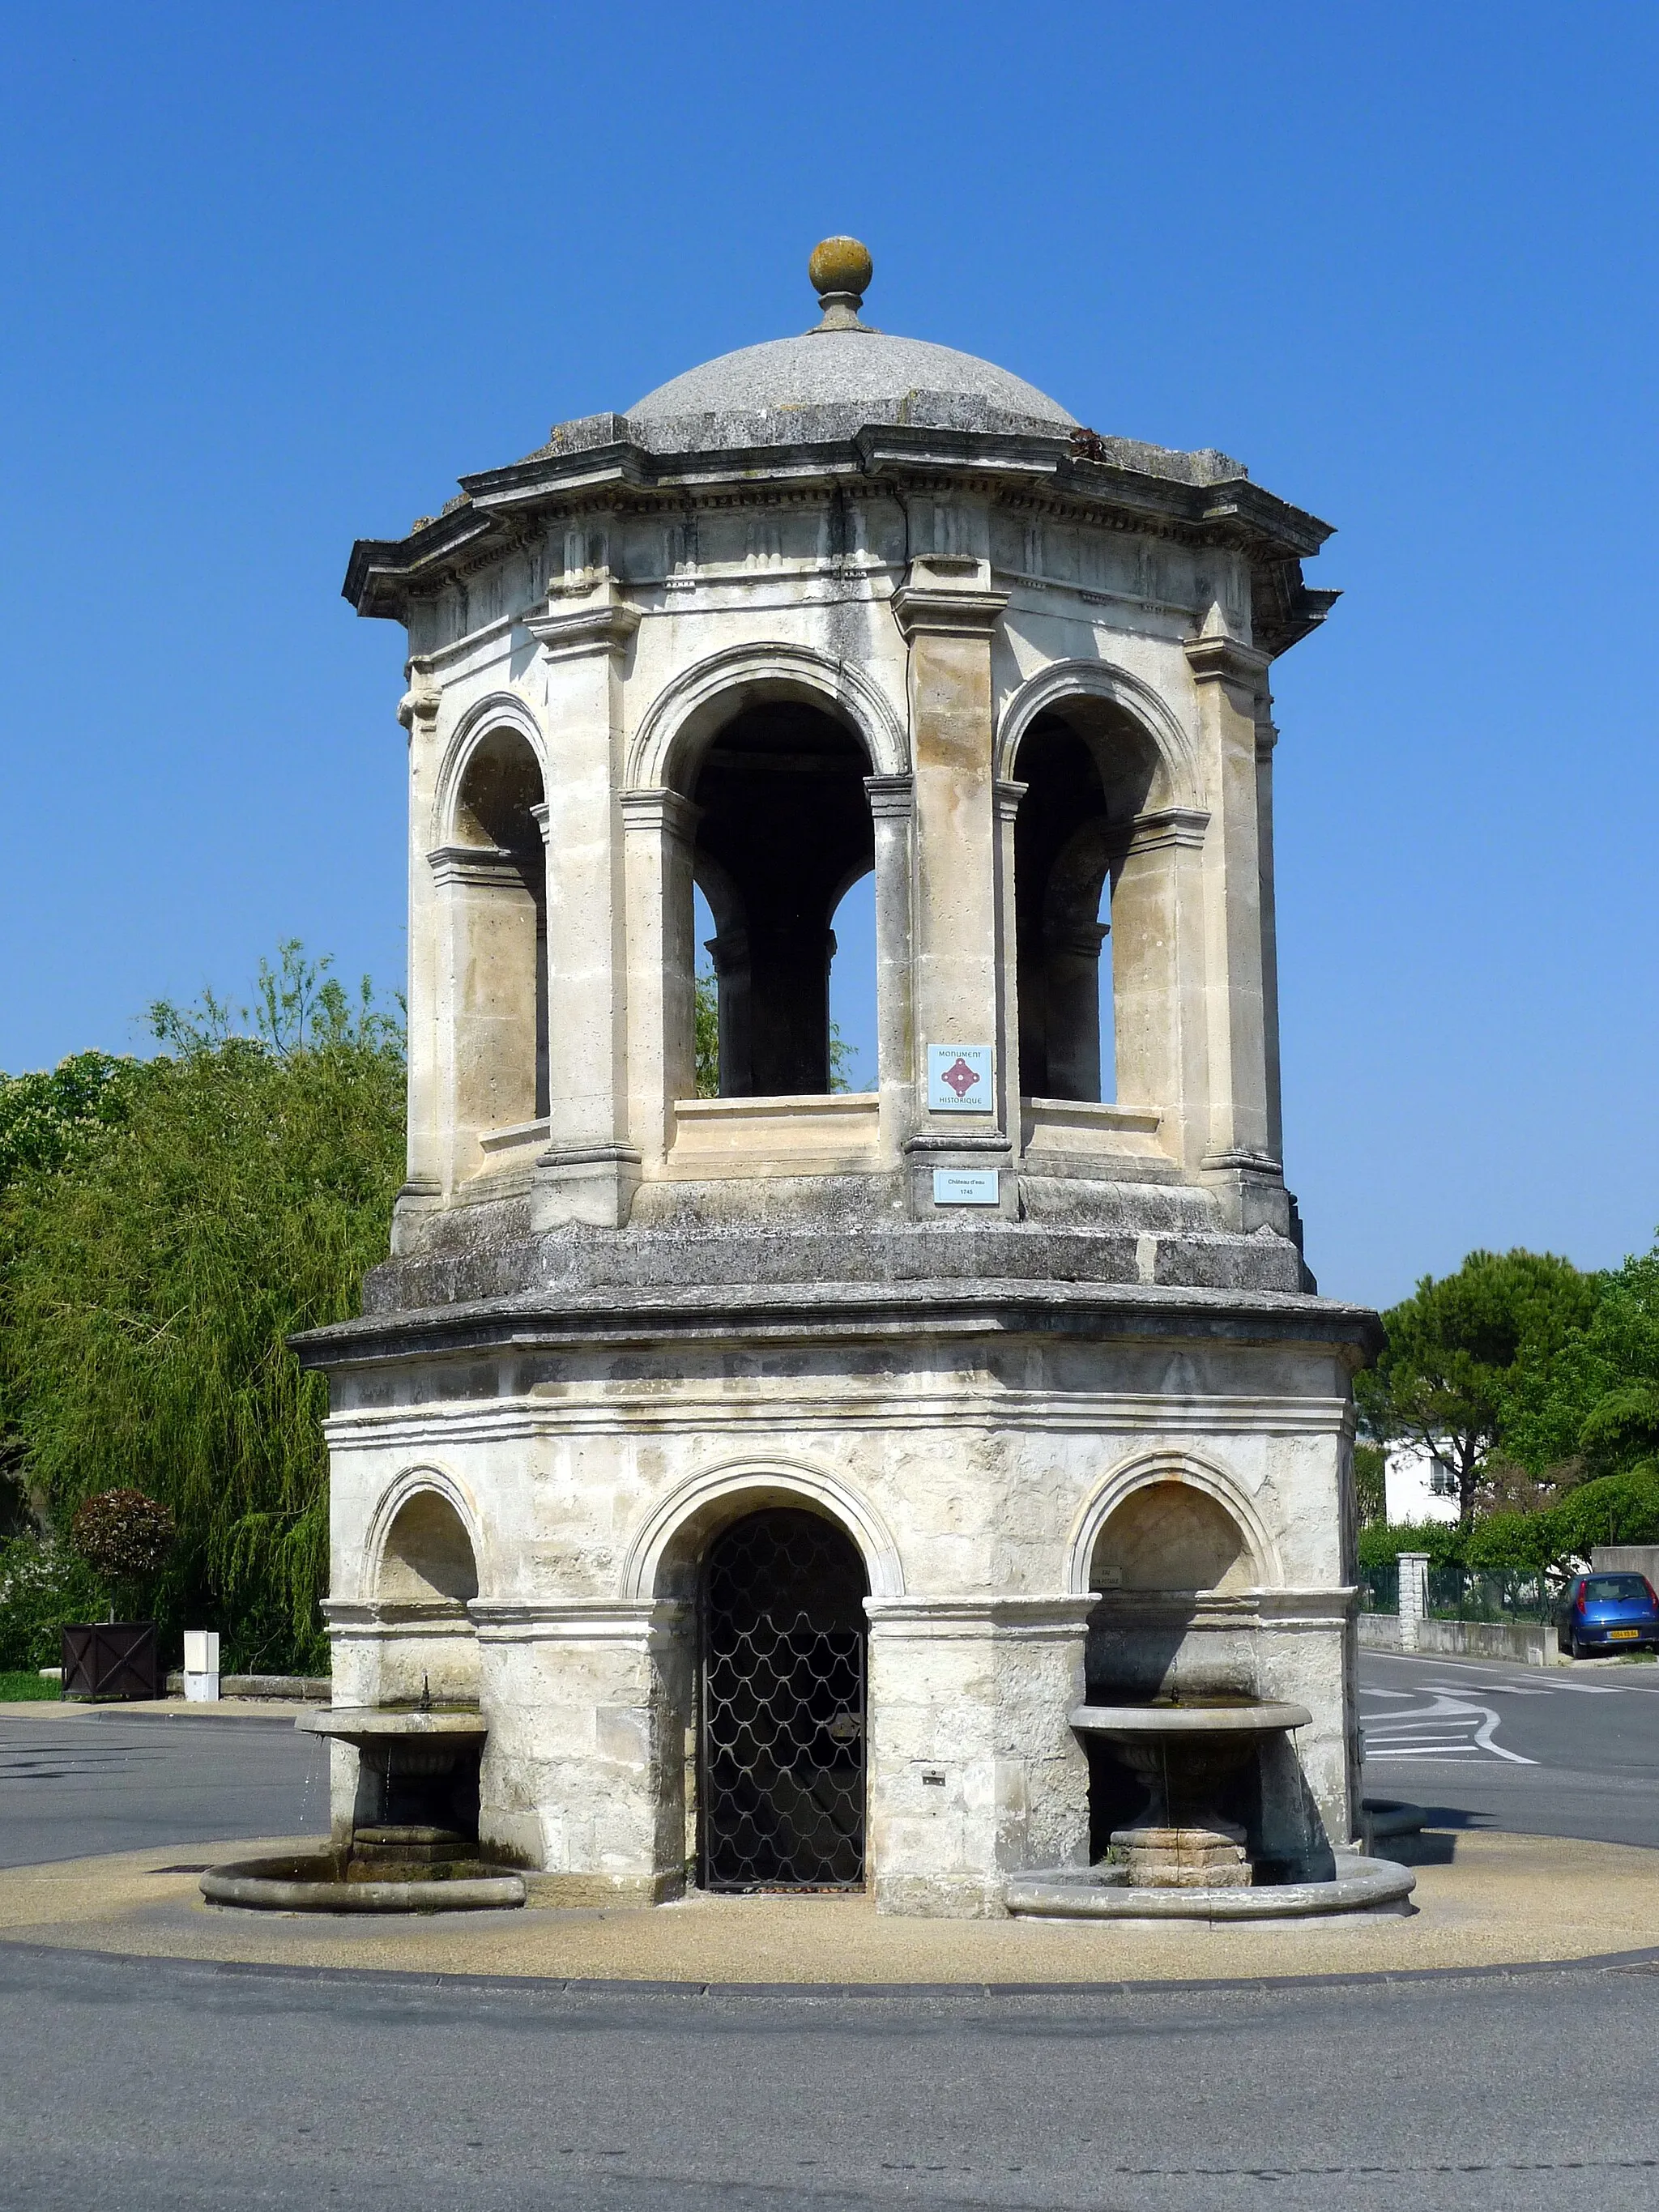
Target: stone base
{"x": 1208, "y": 1857}
{"x": 575, "y": 1891}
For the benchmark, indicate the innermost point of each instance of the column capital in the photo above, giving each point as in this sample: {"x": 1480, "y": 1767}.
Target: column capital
{"x": 654, "y": 806}
{"x": 1218, "y": 658}
{"x": 943, "y": 596}
{"x": 577, "y": 625}
{"x": 1006, "y": 797}
{"x": 891, "y": 797}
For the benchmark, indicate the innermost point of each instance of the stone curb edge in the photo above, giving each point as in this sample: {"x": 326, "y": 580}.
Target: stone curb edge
{"x": 556, "y": 1985}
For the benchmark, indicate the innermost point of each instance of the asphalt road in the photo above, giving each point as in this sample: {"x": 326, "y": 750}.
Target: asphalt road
{"x": 80, "y": 1780}
{"x": 173, "y": 2086}
{"x": 1539, "y": 1750}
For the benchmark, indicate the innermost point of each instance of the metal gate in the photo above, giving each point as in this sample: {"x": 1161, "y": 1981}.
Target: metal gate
{"x": 781, "y": 1766}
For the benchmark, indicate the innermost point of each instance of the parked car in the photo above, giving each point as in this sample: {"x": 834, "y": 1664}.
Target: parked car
{"x": 1608, "y": 1612}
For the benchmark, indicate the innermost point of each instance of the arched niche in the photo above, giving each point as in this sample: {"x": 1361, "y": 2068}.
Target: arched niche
{"x": 492, "y": 876}
{"x": 428, "y": 1556}
{"x": 423, "y": 1579}
{"x": 1171, "y": 1538}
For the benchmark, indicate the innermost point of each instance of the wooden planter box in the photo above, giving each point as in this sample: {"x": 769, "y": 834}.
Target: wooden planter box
{"x": 112, "y": 1659}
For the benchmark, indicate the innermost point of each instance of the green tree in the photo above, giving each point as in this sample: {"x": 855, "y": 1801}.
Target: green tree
{"x": 1443, "y": 1379}
{"x": 1594, "y": 1397}
{"x": 150, "y": 1285}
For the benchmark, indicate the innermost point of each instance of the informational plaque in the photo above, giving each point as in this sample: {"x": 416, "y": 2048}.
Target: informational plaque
{"x": 959, "y": 1079}
{"x": 966, "y": 1186}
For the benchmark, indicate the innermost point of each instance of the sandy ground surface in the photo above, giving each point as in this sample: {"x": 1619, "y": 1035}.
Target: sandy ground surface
{"x": 1482, "y": 1900}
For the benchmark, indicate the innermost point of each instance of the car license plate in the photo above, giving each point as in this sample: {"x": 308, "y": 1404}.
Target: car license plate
{"x": 1613, "y": 1634}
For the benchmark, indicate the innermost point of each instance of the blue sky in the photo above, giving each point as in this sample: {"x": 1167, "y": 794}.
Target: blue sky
{"x": 273, "y": 277}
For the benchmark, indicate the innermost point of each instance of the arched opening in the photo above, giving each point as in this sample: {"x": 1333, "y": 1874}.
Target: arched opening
{"x": 497, "y": 874}
{"x": 784, "y": 830}
{"x": 1089, "y": 774}
{"x": 781, "y": 1770}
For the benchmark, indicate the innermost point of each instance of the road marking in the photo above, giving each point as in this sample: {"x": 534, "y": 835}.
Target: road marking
{"x": 1452, "y": 1726}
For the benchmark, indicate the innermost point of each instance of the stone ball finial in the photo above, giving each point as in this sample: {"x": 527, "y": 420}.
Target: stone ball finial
{"x": 840, "y": 270}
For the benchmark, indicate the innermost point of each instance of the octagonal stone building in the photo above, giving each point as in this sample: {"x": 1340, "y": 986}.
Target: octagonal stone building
{"x": 778, "y": 1469}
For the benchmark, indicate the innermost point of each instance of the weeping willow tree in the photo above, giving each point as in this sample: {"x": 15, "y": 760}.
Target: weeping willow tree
{"x": 151, "y": 1279}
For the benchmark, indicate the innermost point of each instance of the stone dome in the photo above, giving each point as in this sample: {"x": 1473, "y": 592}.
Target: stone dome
{"x": 834, "y": 368}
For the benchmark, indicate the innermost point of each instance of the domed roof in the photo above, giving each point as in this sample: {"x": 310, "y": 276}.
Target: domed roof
{"x": 833, "y": 379}
{"x": 828, "y": 367}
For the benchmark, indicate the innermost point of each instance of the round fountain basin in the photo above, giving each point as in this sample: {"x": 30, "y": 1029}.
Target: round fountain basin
{"x": 1102, "y": 1892}
{"x": 317, "y": 1881}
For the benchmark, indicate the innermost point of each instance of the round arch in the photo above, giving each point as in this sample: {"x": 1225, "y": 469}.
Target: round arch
{"x": 1141, "y": 1472}
{"x": 705, "y": 1502}
{"x": 1063, "y": 680}
{"x": 502, "y": 710}
{"x": 712, "y": 691}
{"x": 410, "y": 1484}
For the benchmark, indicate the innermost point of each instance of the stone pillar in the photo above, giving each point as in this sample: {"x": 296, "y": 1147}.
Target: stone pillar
{"x": 948, "y": 612}
{"x": 1267, "y": 737}
{"x": 1238, "y": 1163}
{"x": 896, "y": 1037}
{"x": 1158, "y": 1006}
{"x": 589, "y": 1172}
{"x": 588, "y": 1703}
{"x": 974, "y": 1770}
{"x": 660, "y": 831}
{"x": 424, "y": 1177}
{"x": 1413, "y": 1596}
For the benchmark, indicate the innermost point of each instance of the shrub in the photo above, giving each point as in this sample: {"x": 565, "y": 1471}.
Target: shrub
{"x": 43, "y": 1585}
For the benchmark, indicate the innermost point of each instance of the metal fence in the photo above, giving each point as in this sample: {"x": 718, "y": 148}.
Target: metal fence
{"x": 1455, "y": 1593}
{"x": 1379, "y": 1587}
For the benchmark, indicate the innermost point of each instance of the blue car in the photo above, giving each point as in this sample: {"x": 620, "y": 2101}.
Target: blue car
{"x": 1608, "y": 1612}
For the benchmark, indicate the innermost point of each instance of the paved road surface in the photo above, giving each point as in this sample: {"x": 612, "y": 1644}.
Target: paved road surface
{"x": 178, "y": 2089}
{"x": 165, "y": 2086}
{"x": 76, "y": 1781}
{"x": 1555, "y": 1751}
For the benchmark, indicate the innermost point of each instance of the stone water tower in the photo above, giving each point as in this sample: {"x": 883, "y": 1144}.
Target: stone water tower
{"x": 774, "y": 1468}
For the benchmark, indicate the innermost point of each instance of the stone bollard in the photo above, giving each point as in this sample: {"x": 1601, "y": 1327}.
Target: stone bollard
{"x": 1413, "y": 1596}
{"x": 202, "y": 1666}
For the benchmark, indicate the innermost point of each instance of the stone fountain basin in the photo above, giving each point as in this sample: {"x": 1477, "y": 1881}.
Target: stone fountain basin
{"x": 312, "y": 1881}
{"x": 1195, "y": 1717}
{"x": 1102, "y": 1892}
{"x": 367, "y": 1723}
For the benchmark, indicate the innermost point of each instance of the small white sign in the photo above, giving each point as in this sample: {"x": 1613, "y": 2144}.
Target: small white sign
{"x": 966, "y": 1186}
{"x": 959, "y": 1079}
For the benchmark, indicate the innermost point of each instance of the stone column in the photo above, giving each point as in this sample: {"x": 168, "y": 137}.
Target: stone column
{"x": 660, "y": 831}
{"x": 485, "y": 916}
{"x": 1413, "y": 1596}
{"x": 588, "y": 1703}
{"x": 948, "y": 612}
{"x": 1237, "y": 1162}
{"x": 424, "y": 1182}
{"x": 1267, "y": 737}
{"x": 1158, "y": 1006}
{"x": 890, "y": 800}
{"x": 974, "y": 1770}
{"x": 589, "y": 1172}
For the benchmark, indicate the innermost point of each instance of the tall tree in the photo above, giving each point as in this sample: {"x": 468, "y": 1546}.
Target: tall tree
{"x": 1453, "y": 1345}
{"x": 151, "y": 1286}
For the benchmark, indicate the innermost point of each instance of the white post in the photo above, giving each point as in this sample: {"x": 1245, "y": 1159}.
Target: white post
{"x": 1413, "y": 1596}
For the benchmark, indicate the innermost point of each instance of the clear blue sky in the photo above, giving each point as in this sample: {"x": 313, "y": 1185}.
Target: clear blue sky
{"x": 274, "y": 277}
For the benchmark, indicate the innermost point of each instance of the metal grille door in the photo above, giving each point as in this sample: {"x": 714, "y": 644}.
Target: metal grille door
{"x": 782, "y": 1766}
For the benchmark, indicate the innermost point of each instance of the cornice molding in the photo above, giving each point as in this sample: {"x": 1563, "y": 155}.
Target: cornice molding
{"x": 654, "y": 807}
{"x": 491, "y": 865}
{"x": 1221, "y": 659}
{"x": 604, "y": 624}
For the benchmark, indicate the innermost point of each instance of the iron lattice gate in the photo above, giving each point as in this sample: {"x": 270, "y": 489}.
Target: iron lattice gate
{"x": 781, "y": 1781}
